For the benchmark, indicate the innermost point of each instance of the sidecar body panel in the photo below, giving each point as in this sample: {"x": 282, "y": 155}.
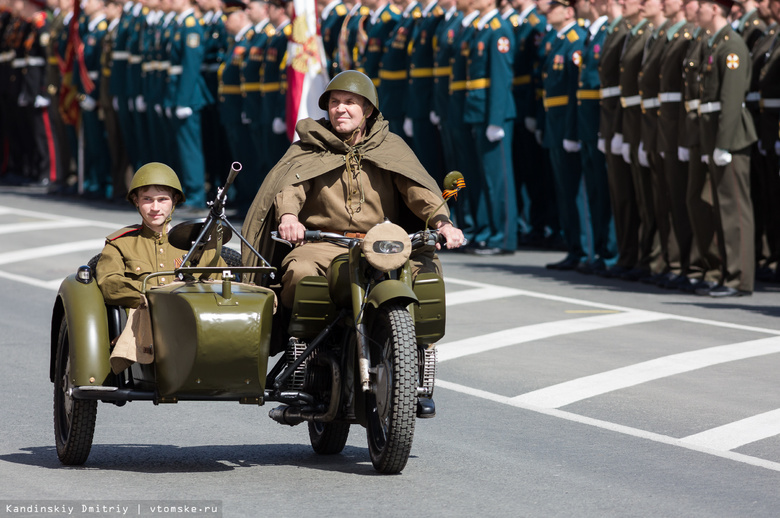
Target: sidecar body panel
{"x": 209, "y": 345}
{"x": 431, "y": 311}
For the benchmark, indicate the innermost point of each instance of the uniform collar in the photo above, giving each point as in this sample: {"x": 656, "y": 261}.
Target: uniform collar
{"x": 566, "y": 29}
{"x": 328, "y": 8}
{"x": 613, "y": 23}
{"x": 717, "y": 34}
{"x": 128, "y": 6}
{"x": 744, "y": 19}
{"x": 137, "y": 8}
{"x": 261, "y": 25}
{"x": 409, "y": 8}
{"x": 376, "y": 14}
{"x": 509, "y": 12}
{"x": 92, "y": 25}
{"x": 469, "y": 18}
{"x": 183, "y": 16}
{"x": 282, "y": 25}
{"x": 243, "y": 31}
{"x": 595, "y": 26}
{"x": 449, "y": 14}
{"x": 635, "y": 28}
{"x": 525, "y": 12}
{"x": 429, "y": 8}
{"x": 670, "y": 32}
{"x": 486, "y": 19}
{"x": 168, "y": 18}
{"x": 113, "y": 24}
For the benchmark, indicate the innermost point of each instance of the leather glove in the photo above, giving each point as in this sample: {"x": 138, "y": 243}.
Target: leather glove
{"x": 705, "y": 159}
{"x": 625, "y": 150}
{"x": 494, "y": 133}
{"x": 41, "y": 102}
{"x": 616, "y": 144}
{"x": 88, "y": 103}
{"x": 761, "y": 148}
{"x": 278, "y": 126}
{"x": 571, "y": 146}
{"x": 245, "y": 119}
{"x": 683, "y": 154}
{"x": 538, "y": 136}
{"x": 602, "y": 145}
{"x": 435, "y": 119}
{"x": 115, "y": 103}
{"x": 777, "y": 147}
{"x": 530, "y": 124}
{"x": 721, "y": 157}
{"x": 643, "y": 161}
{"x": 159, "y": 110}
{"x": 168, "y": 112}
{"x": 130, "y": 104}
{"x": 408, "y": 128}
{"x": 182, "y": 112}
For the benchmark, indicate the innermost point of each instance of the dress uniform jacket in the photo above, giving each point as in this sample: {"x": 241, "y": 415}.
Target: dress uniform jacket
{"x": 351, "y": 27}
{"x": 393, "y": 68}
{"x": 751, "y": 27}
{"x": 332, "y": 19}
{"x": 274, "y": 91}
{"x": 116, "y": 145}
{"x": 135, "y": 48}
{"x": 444, "y": 50}
{"x": 726, "y": 124}
{"x": 133, "y": 253}
{"x": 120, "y": 55}
{"x": 378, "y": 28}
{"x": 251, "y": 86}
{"x": 528, "y": 33}
{"x": 216, "y": 149}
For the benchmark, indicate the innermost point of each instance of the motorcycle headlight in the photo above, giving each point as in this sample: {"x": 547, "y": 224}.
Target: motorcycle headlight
{"x": 387, "y": 246}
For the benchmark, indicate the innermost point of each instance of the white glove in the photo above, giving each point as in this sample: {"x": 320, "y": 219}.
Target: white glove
{"x": 22, "y": 100}
{"x": 435, "y": 119}
{"x": 705, "y": 159}
{"x": 530, "y": 124}
{"x": 683, "y": 154}
{"x": 182, "y": 112}
{"x": 643, "y": 161}
{"x": 777, "y": 147}
{"x": 168, "y": 112}
{"x": 494, "y": 133}
{"x": 625, "y": 150}
{"x": 616, "y": 144}
{"x": 130, "y": 104}
{"x": 41, "y": 102}
{"x": 663, "y": 154}
{"x": 571, "y": 146}
{"x": 601, "y": 144}
{"x": 115, "y": 103}
{"x": 159, "y": 110}
{"x": 278, "y": 126}
{"x": 88, "y": 103}
{"x": 140, "y": 105}
{"x": 408, "y": 128}
{"x": 245, "y": 119}
{"x": 761, "y": 148}
{"x": 538, "y": 136}
{"x": 721, "y": 157}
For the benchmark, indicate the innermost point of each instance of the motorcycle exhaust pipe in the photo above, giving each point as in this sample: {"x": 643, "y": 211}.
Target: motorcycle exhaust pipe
{"x": 295, "y": 416}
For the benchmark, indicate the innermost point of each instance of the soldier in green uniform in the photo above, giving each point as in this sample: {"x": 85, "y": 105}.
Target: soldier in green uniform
{"x": 560, "y": 78}
{"x": 116, "y": 144}
{"x": 231, "y": 104}
{"x": 374, "y": 39}
{"x": 135, "y": 49}
{"x": 393, "y": 69}
{"x": 117, "y": 86}
{"x": 134, "y": 252}
{"x": 331, "y": 20}
{"x": 353, "y": 25}
{"x": 726, "y": 135}
{"x": 490, "y": 112}
{"x": 274, "y": 89}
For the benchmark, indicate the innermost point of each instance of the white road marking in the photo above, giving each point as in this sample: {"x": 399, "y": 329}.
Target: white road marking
{"x": 32, "y": 226}
{"x": 572, "y": 391}
{"x": 52, "y": 250}
{"x": 49, "y": 285}
{"x": 57, "y": 217}
{"x": 519, "y": 335}
{"x": 606, "y": 425}
{"x": 738, "y": 433}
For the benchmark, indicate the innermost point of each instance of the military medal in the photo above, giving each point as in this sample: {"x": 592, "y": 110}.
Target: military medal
{"x": 576, "y": 58}
{"x": 480, "y": 48}
{"x": 732, "y": 61}
{"x": 596, "y": 50}
{"x": 503, "y": 44}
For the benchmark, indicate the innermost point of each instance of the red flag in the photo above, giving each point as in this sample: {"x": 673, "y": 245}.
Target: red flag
{"x": 74, "y": 51}
{"x": 307, "y": 76}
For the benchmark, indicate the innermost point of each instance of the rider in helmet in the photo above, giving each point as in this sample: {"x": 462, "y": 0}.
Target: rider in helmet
{"x": 134, "y": 252}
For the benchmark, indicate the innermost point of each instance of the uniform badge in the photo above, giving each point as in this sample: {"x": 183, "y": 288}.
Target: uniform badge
{"x": 450, "y": 36}
{"x": 732, "y": 61}
{"x": 193, "y": 40}
{"x": 45, "y": 39}
{"x": 576, "y": 58}
{"x": 596, "y": 50}
{"x": 503, "y": 44}
{"x": 480, "y": 48}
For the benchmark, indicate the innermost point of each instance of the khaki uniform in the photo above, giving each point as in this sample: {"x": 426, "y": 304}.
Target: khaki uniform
{"x": 726, "y": 124}
{"x": 130, "y": 255}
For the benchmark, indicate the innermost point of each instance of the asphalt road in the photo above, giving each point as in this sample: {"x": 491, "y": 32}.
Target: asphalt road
{"x": 558, "y": 394}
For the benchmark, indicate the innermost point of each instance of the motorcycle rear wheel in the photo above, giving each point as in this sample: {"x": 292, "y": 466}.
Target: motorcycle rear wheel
{"x": 328, "y": 438}
{"x": 391, "y": 406}
{"x": 74, "y": 420}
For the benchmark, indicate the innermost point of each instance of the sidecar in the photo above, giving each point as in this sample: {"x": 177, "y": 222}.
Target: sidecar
{"x": 211, "y": 343}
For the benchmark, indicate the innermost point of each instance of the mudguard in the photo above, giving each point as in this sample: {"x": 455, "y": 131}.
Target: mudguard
{"x": 391, "y": 290}
{"x": 85, "y": 310}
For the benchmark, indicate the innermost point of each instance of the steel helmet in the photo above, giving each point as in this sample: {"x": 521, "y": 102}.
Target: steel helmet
{"x": 155, "y": 173}
{"x": 351, "y": 81}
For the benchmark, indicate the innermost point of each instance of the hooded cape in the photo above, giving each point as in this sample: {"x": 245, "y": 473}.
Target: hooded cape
{"x": 318, "y": 152}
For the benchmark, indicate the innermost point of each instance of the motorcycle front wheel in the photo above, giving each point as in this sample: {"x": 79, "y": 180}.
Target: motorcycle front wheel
{"x": 391, "y": 405}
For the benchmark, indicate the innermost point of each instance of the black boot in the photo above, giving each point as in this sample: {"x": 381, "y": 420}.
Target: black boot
{"x": 425, "y": 408}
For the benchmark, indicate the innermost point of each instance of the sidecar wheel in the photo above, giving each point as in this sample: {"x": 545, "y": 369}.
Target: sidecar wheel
{"x": 74, "y": 420}
{"x": 328, "y": 438}
{"x": 391, "y": 406}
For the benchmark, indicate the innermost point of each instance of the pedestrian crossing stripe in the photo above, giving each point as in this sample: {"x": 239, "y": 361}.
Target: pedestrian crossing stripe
{"x": 732, "y": 61}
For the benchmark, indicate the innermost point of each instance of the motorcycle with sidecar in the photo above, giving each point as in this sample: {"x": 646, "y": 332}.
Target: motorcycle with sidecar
{"x": 362, "y": 348}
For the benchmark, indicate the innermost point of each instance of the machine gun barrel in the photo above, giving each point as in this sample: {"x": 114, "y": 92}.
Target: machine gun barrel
{"x": 219, "y": 202}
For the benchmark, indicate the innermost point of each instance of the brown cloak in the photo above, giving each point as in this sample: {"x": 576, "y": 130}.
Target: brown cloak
{"x": 318, "y": 152}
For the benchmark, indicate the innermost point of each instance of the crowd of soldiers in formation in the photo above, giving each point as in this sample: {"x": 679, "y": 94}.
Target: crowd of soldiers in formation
{"x": 579, "y": 125}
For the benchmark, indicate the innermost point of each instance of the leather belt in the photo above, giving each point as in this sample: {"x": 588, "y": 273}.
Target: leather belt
{"x": 478, "y": 84}
{"x": 591, "y": 95}
{"x": 522, "y": 80}
{"x": 770, "y": 103}
{"x": 442, "y": 71}
{"x": 670, "y": 97}
{"x": 120, "y": 55}
{"x": 175, "y": 70}
{"x": 709, "y": 107}
{"x": 650, "y": 102}
{"x": 692, "y": 105}
{"x": 421, "y": 72}
{"x": 559, "y": 100}
{"x": 753, "y": 97}
{"x": 633, "y": 100}
{"x": 611, "y": 91}
{"x": 393, "y": 75}
{"x": 456, "y": 86}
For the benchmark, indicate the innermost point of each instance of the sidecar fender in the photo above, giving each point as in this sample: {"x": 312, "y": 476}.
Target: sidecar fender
{"x": 83, "y": 307}
{"x": 393, "y": 290}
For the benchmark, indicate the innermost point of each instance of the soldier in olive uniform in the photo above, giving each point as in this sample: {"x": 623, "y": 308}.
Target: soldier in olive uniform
{"x": 560, "y": 78}
{"x": 331, "y": 20}
{"x": 750, "y": 26}
{"x": 490, "y": 111}
{"x": 726, "y": 135}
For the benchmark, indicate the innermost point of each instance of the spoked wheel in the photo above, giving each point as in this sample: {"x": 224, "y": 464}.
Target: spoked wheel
{"x": 74, "y": 420}
{"x": 328, "y": 438}
{"x": 391, "y": 405}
